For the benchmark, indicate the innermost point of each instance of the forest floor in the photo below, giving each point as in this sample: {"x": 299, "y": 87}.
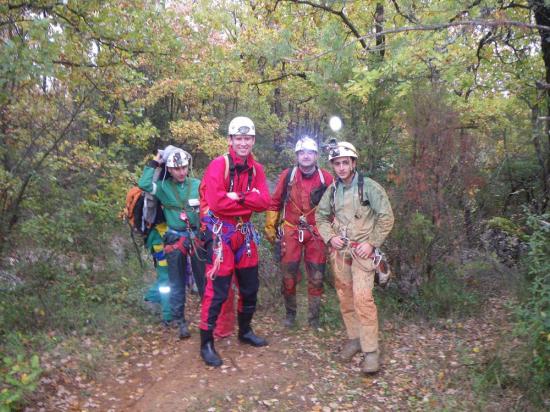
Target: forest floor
{"x": 424, "y": 366}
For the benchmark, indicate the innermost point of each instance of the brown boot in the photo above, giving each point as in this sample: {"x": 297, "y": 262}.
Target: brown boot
{"x": 314, "y": 305}
{"x": 370, "y": 363}
{"x": 351, "y": 347}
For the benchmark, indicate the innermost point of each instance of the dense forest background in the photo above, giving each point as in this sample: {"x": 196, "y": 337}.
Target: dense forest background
{"x": 447, "y": 101}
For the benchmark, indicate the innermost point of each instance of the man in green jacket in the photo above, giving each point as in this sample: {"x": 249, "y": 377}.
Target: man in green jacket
{"x": 354, "y": 217}
{"x": 178, "y": 195}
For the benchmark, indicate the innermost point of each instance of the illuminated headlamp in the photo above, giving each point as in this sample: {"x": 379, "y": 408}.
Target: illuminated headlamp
{"x": 334, "y": 152}
{"x": 164, "y": 289}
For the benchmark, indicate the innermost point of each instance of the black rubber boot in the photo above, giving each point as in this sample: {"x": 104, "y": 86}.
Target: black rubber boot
{"x": 313, "y": 311}
{"x": 184, "y": 330}
{"x": 290, "y": 306}
{"x": 246, "y": 335}
{"x": 208, "y": 353}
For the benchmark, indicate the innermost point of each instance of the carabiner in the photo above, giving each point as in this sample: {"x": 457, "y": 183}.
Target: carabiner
{"x": 377, "y": 258}
{"x": 300, "y": 235}
{"x": 243, "y": 229}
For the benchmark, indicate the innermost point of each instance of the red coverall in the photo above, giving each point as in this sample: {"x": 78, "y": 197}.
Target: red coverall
{"x": 226, "y": 319}
{"x": 300, "y": 238}
{"x": 235, "y": 237}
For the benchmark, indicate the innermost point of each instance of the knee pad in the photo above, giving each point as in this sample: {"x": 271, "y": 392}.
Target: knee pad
{"x": 290, "y": 267}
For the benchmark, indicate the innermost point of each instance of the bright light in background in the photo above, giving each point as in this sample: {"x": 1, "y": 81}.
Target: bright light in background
{"x": 335, "y": 123}
{"x": 164, "y": 289}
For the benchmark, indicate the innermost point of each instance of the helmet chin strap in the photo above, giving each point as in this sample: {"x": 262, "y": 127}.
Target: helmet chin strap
{"x": 308, "y": 170}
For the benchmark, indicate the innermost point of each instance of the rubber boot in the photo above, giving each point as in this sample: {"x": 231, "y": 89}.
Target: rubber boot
{"x": 314, "y": 306}
{"x": 290, "y": 306}
{"x": 351, "y": 347}
{"x": 246, "y": 335}
{"x": 370, "y": 363}
{"x": 208, "y": 352}
{"x": 183, "y": 330}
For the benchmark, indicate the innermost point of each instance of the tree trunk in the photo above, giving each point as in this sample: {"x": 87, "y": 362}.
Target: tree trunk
{"x": 541, "y": 10}
{"x": 379, "y": 27}
{"x": 539, "y": 150}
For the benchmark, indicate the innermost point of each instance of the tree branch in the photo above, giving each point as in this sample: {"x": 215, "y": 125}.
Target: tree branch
{"x": 281, "y": 77}
{"x": 410, "y": 18}
{"x": 436, "y": 27}
{"x": 347, "y": 22}
{"x": 463, "y": 12}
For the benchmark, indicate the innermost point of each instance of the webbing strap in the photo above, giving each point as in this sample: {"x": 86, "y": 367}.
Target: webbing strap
{"x": 286, "y": 193}
{"x": 230, "y": 165}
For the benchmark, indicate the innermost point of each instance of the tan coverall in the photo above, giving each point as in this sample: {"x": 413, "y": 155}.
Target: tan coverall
{"x": 341, "y": 213}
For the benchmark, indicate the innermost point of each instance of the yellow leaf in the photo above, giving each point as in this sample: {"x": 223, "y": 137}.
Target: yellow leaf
{"x": 24, "y": 379}
{"x": 476, "y": 349}
{"x": 126, "y": 354}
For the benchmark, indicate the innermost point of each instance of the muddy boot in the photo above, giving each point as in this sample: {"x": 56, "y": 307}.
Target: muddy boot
{"x": 246, "y": 335}
{"x": 351, "y": 347}
{"x": 370, "y": 363}
{"x": 208, "y": 353}
{"x": 290, "y": 306}
{"x": 183, "y": 330}
{"x": 314, "y": 305}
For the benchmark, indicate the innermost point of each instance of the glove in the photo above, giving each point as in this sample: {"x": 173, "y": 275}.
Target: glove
{"x": 271, "y": 219}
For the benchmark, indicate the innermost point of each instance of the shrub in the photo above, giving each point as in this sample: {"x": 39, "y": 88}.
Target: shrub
{"x": 447, "y": 295}
{"x": 19, "y": 377}
{"x": 534, "y": 313}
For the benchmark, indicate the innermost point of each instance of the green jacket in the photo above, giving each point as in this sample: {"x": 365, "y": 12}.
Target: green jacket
{"x": 340, "y": 213}
{"x": 173, "y": 196}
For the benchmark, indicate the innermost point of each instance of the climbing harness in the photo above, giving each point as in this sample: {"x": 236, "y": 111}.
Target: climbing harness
{"x": 222, "y": 233}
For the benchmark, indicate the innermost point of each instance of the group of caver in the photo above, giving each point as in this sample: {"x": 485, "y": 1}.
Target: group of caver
{"x": 310, "y": 216}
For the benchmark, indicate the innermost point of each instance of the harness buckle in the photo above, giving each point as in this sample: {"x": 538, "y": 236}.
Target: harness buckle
{"x": 300, "y": 235}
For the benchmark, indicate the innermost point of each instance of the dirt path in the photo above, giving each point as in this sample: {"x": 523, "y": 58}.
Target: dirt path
{"x": 424, "y": 367}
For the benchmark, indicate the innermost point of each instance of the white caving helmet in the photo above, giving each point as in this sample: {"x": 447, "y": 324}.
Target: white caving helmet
{"x": 341, "y": 150}
{"x": 306, "y": 143}
{"x": 241, "y": 125}
{"x": 178, "y": 158}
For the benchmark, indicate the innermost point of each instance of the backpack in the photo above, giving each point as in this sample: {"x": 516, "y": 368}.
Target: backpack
{"x": 142, "y": 211}
{"x": 360, "y": 191}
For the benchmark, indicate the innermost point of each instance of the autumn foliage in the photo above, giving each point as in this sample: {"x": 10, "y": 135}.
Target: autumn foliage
{"x": 436, "y": 180}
